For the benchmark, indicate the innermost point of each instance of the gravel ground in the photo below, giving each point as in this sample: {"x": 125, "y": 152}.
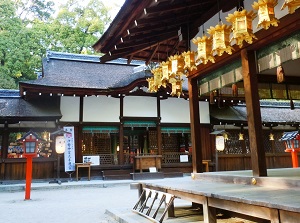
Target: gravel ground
{"x": 74, "y": 204}
{"x": 65, "y": 205}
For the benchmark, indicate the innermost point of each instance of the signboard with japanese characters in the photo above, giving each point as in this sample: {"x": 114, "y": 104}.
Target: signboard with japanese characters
{"x": 70, "y": 149}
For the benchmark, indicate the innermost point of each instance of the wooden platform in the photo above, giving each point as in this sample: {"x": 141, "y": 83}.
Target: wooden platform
{"x": 275, "y": 198}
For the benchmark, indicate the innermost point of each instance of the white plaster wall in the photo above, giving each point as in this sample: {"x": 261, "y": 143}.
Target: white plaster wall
{"x": 204, "y": 112}
{"x": 69, "y": 107}
{"x": 101, "y": 109}
{"x": 174, "y": 110}
{"x": 140, "y": 106}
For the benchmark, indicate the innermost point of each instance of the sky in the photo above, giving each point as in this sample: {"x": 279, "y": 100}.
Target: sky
{"x": 115, "y": 5}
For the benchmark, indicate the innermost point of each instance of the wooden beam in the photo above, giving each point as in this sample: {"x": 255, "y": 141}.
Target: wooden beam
{"x": 138, "y": 47}
{"x": 195, "y": 126}
{"x": 246, "y": 209}
{"x": 117, "y": 28}
{"x": 253, "y": 113}
{"x": 152, "y": 55}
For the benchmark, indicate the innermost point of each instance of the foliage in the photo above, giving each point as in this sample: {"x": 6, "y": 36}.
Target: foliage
{"x": 29, "y": 27}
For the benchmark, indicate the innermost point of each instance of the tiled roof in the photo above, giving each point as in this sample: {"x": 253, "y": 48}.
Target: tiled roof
{"x": 9, "y": 93}
{"x": 88, "y": 58}
{"x": 82, "y": 71}
{"x": 273, "y": 113}
{"x": 11, "y": 108}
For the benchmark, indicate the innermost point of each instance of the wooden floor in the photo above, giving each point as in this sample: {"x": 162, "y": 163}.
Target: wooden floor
{"x": 275, "y": 198}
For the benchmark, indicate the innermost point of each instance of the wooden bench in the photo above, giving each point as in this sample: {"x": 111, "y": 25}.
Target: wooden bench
{"x": 116, "y": 174}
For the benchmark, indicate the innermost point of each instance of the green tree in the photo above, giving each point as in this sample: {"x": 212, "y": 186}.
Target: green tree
{"x": 28, "y": 28}
{"x": 76, "y": 28}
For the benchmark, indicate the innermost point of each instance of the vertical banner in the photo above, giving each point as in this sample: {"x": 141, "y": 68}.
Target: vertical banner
{"x": 70, "y": 149}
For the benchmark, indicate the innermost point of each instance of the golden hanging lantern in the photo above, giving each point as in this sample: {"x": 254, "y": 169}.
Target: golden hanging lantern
{"x": 46, "y": 136}
{"x": 151, "y": 85}
{"x": 157, "y": 77}
{"x": 266, "y": 14}
{"x": 177, "y": 63}
{"x": 18, "y": 136}
{"x": 241, "y": 136}
{"x": 242, "y": 26}
{"x": 204, "y": 50}
{"x": 220, "y": 35}
{"x": 166, "y": 70}
{"x": 225, "y": 135}
{"x": 271, "y": 137}
{"x": 291, "y": 4}
{"x": 189, "y": 60}
{"x": 176, "y": 82}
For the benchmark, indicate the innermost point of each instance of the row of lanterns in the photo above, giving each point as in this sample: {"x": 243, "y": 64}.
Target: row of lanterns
{"x": 172, "y": 70}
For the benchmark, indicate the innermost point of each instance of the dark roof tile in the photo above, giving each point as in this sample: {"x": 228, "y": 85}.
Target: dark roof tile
{"x": 86, "y": 73}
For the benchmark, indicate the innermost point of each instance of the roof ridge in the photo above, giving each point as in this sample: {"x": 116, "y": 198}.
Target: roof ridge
{"x": 71, "y": 56}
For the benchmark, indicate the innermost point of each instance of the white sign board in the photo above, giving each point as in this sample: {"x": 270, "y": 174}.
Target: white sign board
{"x": 70, "y": 149}
{"x": 94, "y": 160}
{"x": 184, "y": 158}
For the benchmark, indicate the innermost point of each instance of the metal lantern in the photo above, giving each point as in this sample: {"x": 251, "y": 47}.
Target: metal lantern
{"x": 204, "y": 50}
{"x": 157, "y": 73}
{"x": 46, "y": 136}
{"x": 241, "y": 136}
{"x": 266, "y": 14}
{"x": 220, "y": 34}
{"x": 177, "y": 63}
{"x": 166, "y": 69}
{"x": 225, "y": 135}
{"x": 291, "y": 4}
{"x": 242, "y": 26}
{"x": 189, "y": 60}
{"x": 151, "y": 86}
{"x": 176, "y": 82}
{"x": 18, "y": 136}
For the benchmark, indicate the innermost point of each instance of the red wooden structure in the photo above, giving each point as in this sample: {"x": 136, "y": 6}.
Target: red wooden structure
{"x": 30, "y": 143}
{"x": 292, "y": 143}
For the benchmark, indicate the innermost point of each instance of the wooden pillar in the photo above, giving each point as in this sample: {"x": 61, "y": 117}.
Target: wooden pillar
{"x": 195, "y": 126}
{"x": 78, "y": 143}
{"x": 5, "y": 141}
{"x": 121, "y": 133}
{"x": 4, "y": 148}
{"x": 158, "y": 128}
{"x": 78, "y": 134}
{"x": 258, "y": 159}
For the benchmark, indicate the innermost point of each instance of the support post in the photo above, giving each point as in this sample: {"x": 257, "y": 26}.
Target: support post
{"x": 28, "y": 177}
{"x": 253, "y": 113}
{"x": 121, "y": 133}
{"x": 195, "y": 126}
{"x": 158, "y": 128}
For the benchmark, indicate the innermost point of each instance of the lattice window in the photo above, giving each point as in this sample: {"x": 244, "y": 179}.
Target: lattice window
{"x": 234, "y": 145}
{"x": 267, "y": 143}
{"x": 294, "y": 91}
{"x": 279, "y": 91}
{"x": 279, "y": 145}
{"x": 153, "y": 140}
{"x": 264, "y": 91}
{"x": 170, "y": 142}
{"x": 106, "y": 159}
{"x": 96, "y": 143}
